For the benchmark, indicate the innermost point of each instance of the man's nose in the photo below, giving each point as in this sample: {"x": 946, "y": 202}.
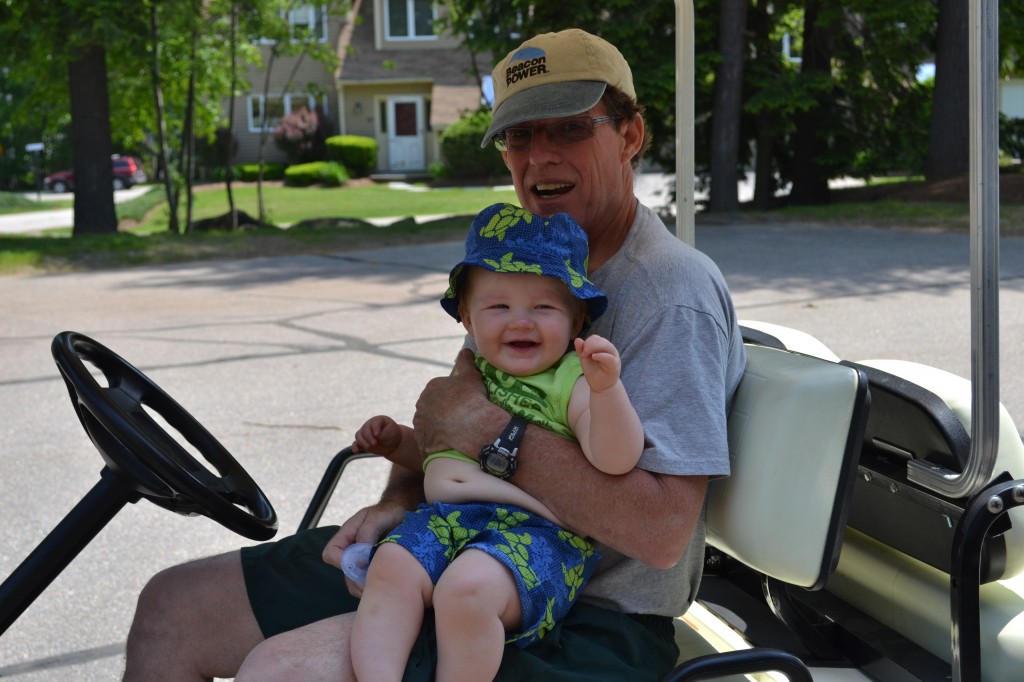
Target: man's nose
{"x": 542, "y": 151}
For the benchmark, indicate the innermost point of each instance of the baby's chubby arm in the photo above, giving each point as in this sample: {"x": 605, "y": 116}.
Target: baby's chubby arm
{"x": 383, "y": 436}
{"x": 601, "y": 416}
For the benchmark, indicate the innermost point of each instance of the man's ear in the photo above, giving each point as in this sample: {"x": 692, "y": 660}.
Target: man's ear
{"x": 633, "y": 134}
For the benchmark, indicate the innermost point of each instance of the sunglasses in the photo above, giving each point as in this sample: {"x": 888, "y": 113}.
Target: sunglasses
{"x": 564, "y": 132}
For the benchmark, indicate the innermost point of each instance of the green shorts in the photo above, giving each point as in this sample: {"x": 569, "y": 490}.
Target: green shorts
{"x": 289, "y": 586}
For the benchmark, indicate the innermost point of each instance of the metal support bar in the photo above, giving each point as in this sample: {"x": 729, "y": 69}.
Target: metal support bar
{"x": 328, "y": 482}
{"x": 965, "y": 573}
{"x": 684, "y": 122}
{"x": 984, "y": 138}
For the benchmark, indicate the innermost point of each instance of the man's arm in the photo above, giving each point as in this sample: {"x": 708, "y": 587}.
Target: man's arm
{"x": 647, "y": 516}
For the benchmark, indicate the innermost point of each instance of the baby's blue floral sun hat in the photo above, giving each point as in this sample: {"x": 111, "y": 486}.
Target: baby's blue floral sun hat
{"x": 506, "y": 238}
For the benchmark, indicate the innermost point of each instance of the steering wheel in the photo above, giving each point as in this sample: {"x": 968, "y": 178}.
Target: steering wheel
{"x": 140, "y": 451}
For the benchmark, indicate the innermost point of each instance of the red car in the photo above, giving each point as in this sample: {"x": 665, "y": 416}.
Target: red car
{"x": 127, "y": 170}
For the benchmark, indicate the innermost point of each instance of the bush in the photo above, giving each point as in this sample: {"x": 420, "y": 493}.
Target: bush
{"x": 302, "y": 135}
{"x": 1011, "y": 136}
{"x": 357, "y": 153}
{"x": 250, "y": 172}
{"x": 460, "y": 147}
{"x": 327, "y": 173}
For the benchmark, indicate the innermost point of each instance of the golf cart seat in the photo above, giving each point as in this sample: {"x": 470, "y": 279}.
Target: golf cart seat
{"x": 897, "y": 563}
{"x": 795, "y": 433}
{"x": 784, "y": 338}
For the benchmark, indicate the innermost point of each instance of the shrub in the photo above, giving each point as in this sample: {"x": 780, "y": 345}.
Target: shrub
{"x": 460, "y": 146}
{"x": 1011, "y": 136}
{"x": 357, "y": 153}
{"x": 326, "y": 173}
{"x": 250, "y": 172}
{"x": 302, "y": 134}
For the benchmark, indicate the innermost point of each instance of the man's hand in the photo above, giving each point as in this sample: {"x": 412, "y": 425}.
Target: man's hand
{"x": 600, "y": 361}
{"x": 369, "y": 524}
{"x": 449, "y": 410}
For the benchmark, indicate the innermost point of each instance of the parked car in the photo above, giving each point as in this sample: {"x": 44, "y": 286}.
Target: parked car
{"x": 127, "y": 170}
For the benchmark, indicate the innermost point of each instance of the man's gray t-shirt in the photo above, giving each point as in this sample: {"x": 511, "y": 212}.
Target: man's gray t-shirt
{"x": 672, "y": 320}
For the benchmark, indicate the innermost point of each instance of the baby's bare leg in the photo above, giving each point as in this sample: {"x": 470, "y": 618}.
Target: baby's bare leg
{"x": 390, "y": 614}
{"x": 475, "y": 603}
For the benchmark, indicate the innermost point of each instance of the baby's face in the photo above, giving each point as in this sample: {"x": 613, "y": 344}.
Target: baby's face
{"x": 522, "y": 323}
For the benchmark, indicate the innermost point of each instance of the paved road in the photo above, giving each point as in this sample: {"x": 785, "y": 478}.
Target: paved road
{"x": 283, "y": 358}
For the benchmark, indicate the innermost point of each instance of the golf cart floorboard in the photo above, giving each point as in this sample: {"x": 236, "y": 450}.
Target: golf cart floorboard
{"x": 821, "y": 629}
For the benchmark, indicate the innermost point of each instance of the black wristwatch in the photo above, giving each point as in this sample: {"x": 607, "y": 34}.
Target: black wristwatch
{"x": 499, "y": 458}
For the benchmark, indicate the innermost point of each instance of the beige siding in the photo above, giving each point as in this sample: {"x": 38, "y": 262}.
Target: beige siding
{"x": 309, "y": 71}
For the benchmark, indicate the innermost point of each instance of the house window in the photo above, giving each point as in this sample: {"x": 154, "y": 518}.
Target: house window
{"x": 305, "y": 23}
{"x": 410, "y": 19}
{"x": 309, "y": 21}
{"x": 279, "y": 106}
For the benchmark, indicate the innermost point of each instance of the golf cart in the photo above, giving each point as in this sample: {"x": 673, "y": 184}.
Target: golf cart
{"x": 868, "y": 532}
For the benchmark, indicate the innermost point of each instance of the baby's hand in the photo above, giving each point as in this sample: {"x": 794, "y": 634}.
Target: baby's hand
{"x": 379, "y": 435}
{"x": 600, "y": 361}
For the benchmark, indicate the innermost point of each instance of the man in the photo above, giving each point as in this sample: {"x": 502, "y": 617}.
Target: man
{"x": 572, "y": 135}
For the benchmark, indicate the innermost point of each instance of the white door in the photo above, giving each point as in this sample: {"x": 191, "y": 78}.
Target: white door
{"x": 405, "y": 134}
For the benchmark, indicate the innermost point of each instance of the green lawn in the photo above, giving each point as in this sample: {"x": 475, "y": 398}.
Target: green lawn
{"x": 15, "y": 203}
{"x": 335, "y": 222}
{"x": 339, "y": 212}
{"x": 289, "y": 205}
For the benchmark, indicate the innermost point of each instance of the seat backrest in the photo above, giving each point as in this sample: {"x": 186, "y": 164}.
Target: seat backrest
{"x": 795, "y": 432}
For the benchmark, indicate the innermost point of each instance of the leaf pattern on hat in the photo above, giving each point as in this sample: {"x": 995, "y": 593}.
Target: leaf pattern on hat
{"x": 577, "y": 278}
{"x": 508, "y": 265}
{"x": 505, "y": 218}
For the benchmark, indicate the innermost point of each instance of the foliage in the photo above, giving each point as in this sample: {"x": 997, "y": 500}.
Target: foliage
{"x": 1011, "y": 136}
{"x": 327, "y": 173}
{"x": 460, "y": 147}
{"x": 250, "y": 172}
{"x": 357, "y": 153}
{"x": 302, "y": 134}
{"x": 643, "y": 32}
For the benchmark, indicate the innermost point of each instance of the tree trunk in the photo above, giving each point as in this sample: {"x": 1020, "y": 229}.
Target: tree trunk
{"x": 766, "y": 121}
{"x": 764, "y": 164}
{"x": 90, "y": 139}
{"x": 810, "y": 177}
{"x": 188, "y": 152}
{"x": 728, "y": 107}
{"x": 229, "y": 159}
{"x": 948, "y": 143}
{"x": 161, "y": 126}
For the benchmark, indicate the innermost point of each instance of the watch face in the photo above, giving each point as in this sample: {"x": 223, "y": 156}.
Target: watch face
{"x": 496, "y": 461}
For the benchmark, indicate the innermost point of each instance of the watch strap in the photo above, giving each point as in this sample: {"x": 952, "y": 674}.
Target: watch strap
{"x": 512, "y": 434}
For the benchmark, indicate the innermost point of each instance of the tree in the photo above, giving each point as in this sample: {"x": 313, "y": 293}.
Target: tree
{"x": 948, "y": 147}
{"x": 725, "y": 128}
{"x": 90, "y": 135}
{"x": 810, "y": 178}
{"x": 73, "y": 77}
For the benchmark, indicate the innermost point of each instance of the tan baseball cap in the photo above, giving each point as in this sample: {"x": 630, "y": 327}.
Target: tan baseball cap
{"x": 554, "y": 75}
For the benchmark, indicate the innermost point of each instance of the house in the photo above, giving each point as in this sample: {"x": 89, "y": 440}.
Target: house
{"x": 398, "y": 81}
